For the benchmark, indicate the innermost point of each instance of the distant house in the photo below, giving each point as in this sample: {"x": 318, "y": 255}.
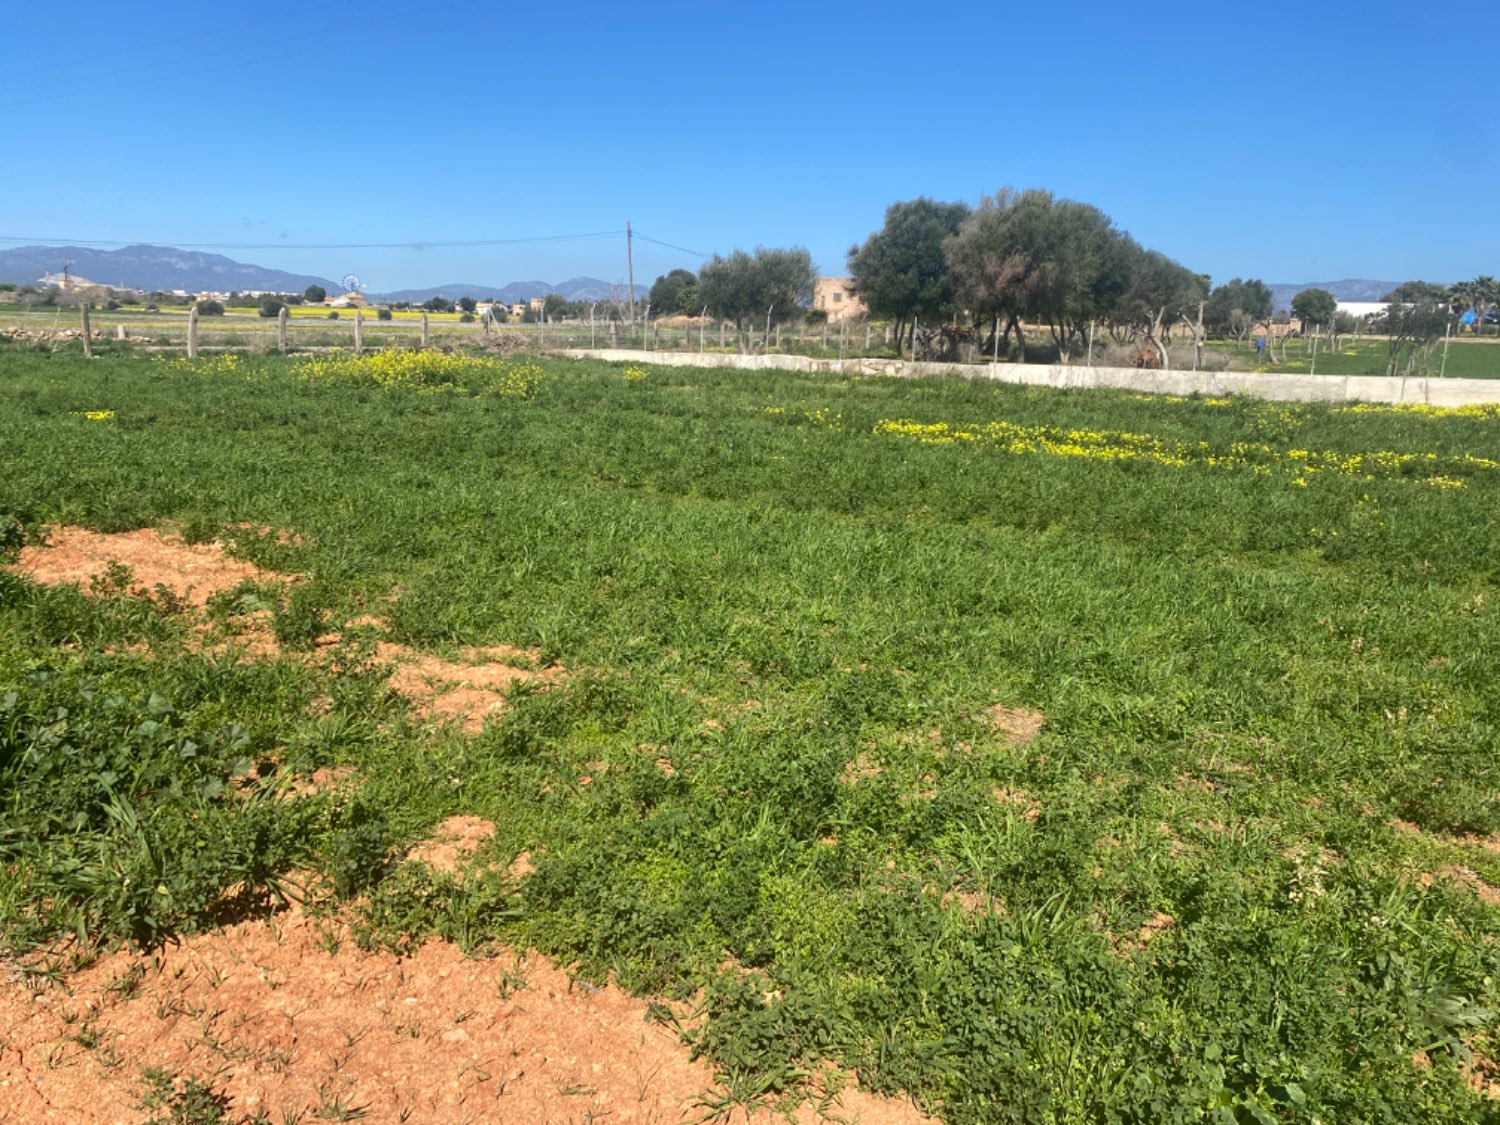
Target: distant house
{"x": 836, "y": 297}
{"x": 72, "y": 283}
{"x": 353, "y": 299}
{"x": 518, "y": 309}
{"x": 536, "y": 303}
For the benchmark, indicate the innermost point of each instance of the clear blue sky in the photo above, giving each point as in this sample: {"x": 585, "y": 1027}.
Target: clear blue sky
{"x": 1291, "y": 142}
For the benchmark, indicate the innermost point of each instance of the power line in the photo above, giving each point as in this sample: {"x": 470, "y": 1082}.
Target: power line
{"x": 669, "y": 246}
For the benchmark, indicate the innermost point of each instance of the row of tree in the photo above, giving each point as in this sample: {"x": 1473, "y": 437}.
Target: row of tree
{"x": 1027, "y": 257}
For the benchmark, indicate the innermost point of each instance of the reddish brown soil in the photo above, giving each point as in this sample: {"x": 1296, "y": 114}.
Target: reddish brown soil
{"x": 453, "y": 843}
{"x": 286, "y": 1016}
{"x": 466, "y": 691}
{"x": 192, "y": 572}
{"x": 1018, "y": 725}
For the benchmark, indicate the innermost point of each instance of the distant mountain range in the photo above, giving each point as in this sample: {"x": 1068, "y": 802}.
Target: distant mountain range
{"x": 167, "y": 268}
{"x": 1352, "y": 289}
{"x": 574, "y": 289}
{"x": 151, "y": 267}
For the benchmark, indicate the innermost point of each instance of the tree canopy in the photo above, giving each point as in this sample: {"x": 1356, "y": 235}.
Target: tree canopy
{"x": 1251, "y": 300}
{"x": 1315, "y": 306}
{"x": 746, "y": 287}
{"x": 901, "y": 272}
{"x": 314, "y": 294}
{"x": 1026, "y": 255}
{"x": 666, "y": 294}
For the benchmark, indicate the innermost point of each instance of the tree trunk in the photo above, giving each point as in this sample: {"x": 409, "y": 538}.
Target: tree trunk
{"x": 1154, "y": 337}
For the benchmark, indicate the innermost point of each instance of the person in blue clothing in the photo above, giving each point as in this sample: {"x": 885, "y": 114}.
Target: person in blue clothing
{"x": 1260, "y": 346}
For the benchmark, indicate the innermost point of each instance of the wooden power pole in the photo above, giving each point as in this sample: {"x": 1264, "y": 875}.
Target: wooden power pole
{"x": 630, "y": 271}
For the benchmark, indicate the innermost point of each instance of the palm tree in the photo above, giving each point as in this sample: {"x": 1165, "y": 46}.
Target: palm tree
{"x": 1486, "y": 293}
{"x": 1461, "y": 293}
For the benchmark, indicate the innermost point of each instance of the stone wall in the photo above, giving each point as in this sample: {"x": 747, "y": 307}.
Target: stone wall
{"x": 1285, "y": 388}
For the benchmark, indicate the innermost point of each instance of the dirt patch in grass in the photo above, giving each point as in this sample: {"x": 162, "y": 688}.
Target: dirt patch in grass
{"x": 192, "y": 572}
{"x": 285, "y": 1017}
{"x": 1467, "y": 878}
{"x": 453, "y": 844}
{"x": 467, "y": 690}
{"x": 1017, "y": 725}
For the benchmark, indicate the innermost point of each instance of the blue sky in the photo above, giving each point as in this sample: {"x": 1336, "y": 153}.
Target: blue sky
{"x": 1291, "y": 142}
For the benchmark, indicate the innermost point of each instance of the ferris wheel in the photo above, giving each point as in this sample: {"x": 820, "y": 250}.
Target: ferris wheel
{"x": 351, "y": 283}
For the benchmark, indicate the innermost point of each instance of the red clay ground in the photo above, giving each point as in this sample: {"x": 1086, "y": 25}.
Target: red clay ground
{"x": 288, "y": 1017}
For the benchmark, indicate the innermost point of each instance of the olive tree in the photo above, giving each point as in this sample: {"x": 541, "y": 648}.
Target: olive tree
{"x": 771, "y": 283}
{"x": 900, "y": 272}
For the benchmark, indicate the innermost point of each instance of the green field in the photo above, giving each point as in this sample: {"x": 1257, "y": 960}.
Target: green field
{"x": 1467, "y": 359}
{"x": 1245, "y": 871}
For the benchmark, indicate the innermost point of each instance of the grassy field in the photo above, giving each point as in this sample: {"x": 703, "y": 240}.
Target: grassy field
{"x": 1467, "y": 359}
{"x": 1245, "y": 870}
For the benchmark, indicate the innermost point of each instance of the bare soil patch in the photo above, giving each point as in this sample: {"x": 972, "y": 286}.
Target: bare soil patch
{"x": 286, "y": 1016}
{"x": 193, "y": 572}
{"x": 1017, "y": 725}
{"x": 453, "y": 844}
{"x": 467, "y": 690}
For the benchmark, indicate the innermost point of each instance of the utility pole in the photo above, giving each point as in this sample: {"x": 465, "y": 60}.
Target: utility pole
{"x": 630, "y": 271}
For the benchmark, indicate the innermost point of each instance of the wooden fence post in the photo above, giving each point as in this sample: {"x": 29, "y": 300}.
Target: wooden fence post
{"x": 119, "y": 332}
{"x": 424, "y": 328}
{"x": 88, "y": 348}
{"x": 192, "y": 340}
{"x": 281, "y": 329}
{"x": 359, "y": 332}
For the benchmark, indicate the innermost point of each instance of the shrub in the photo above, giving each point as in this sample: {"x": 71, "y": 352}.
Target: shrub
{"x": 209, "y": 308}
{"x": 383, "y": 314}
{"x": 333, "y": 314}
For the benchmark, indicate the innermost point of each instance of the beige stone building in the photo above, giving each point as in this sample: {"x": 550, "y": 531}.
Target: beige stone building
{"x": 836, "y": 296}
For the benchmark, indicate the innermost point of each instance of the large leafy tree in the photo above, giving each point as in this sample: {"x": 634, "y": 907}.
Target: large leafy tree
{"x": 1026, "y": 256}
{"x": 1418, "y": 292}
{"x": 771, "y": 283}
{"x": 1315, "y": 307}
{"x": 666, "y": 293}
{"x": 1236, "y": 306}
{"x": 1161, "y": 291}
{"x": 900, "y": 271}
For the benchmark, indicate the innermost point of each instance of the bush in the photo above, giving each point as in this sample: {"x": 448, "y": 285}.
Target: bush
{"x": 466, "y": 318}
{"x": 271, "y": 306}
{"x": 383, "y": 314}
{"x": 209, "y": 308}
{"x": 333, "y": 314}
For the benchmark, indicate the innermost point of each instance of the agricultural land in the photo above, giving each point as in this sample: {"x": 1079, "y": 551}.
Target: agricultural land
{"x": 892, "y": 748}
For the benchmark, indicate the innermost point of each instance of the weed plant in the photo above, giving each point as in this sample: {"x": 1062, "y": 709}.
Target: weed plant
{"x": 1242, "y": 873}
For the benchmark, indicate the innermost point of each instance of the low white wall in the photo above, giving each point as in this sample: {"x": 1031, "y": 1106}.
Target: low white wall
{"x": 1286, "y": 388}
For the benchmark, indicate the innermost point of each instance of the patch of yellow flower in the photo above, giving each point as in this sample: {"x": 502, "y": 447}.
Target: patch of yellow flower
{"x": 427, "y": 372}
{"x": 94, "y": 415}
{"x": 1488, "y": 410}
{"x": 635, "y": 373}
{"x": 1182, "y": 398}
{"x": 1121, "y": 445}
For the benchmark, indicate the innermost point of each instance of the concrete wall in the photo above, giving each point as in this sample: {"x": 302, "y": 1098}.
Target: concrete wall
{"x": 1285, "y": 388}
